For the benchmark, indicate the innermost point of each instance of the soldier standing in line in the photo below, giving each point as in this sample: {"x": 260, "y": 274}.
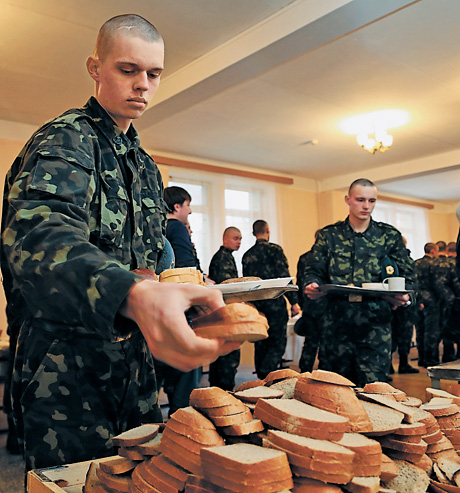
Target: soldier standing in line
{"x": 267, "y": 261}
{"x": 444, "y": 285}
{"x": 222, "y": 372}
{"x": 453, "y": 321}
{"x": 356, "y": 339}
{"x": 427, "y": 324}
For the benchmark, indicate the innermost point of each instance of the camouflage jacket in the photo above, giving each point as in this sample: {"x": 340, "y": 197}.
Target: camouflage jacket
{"x": 267, "y": 261}
{"x": 454, "y": 273}
{"x": 223, "y": 265}
{"x": 340, "y": 255}
{"x": 82, "y": 208}
{"x": 425, "y": 277}
{"x": 444, "y": 279}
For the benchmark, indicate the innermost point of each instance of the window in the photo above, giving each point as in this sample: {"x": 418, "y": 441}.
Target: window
{"x": 410, "y": 220}
{"x": 218, "y": 202}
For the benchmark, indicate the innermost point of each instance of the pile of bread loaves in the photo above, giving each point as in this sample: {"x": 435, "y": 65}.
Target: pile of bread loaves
{"x": 310, "y": 432}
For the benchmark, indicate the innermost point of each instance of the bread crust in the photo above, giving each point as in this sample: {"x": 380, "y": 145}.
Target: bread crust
{"x": 253, "y": 426}
{"x": 241, "y": 279}
{"x": 191, "y": 417}
{"x": 137, "y": 435}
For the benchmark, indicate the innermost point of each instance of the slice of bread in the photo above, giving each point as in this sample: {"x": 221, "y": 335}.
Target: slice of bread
{"x": 180, "y": 456}
{"x": 294, "y": 416}
{"x": 249, "y": 385}
{"x": 141, "y": 484}
{"x": 452, "y": 421}
{"x": 411, "y": 429}
{"x": 443, "y": 409}
{"x": 363, "y": 485}
{"x": 281, "y": 374}
{"x": 256, "y": 393}
{"x": 187, "y": 443}
{"x": 360, "y": 444}
{"x": 233, "y": 419}
{"x": 241, "y": 279}
{"x": 137, "y": 435}
{"x": 411, "y": 478}
{"x": 389, "y": 469}
{"x": 232, "y": 322}
{"x": 384, "y": 420}
{"x": 117, "y": 465}
{"x": 412, "y": 401}
{"x": 159, "y": 479}
{"x": 164, "y": 464}
{"x": 181, "y": 275}
{"x": 430, "y": 393}
{"x": 409, "y": 412}
{"x": 386, "y": 389}
{"x": 191, "y": 417}
{"x": 152, "y": 447}
{"x": 330, "y": 377}
{"x": 412, "y": 448}
{"x": 239, "y": 487}
{"x": 405, "y": 438}
{"x": 308, "y": 485}
{"x": 287, "y": 386}
{"x": 253, "y": 426}
{"x": 227, "y": 410}
{"x": 207, "y": 397}
{"x": 131, "y": 453}
{"x": 433, "y": 437}
{"x": 205, "y": 437}
{"x": 117, "y": 482}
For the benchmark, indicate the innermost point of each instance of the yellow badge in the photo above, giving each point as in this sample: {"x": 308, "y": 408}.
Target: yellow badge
{"x": 390, "y": 270}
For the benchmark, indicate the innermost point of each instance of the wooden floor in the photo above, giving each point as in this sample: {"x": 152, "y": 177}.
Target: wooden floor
{"x": 12, "y": 469}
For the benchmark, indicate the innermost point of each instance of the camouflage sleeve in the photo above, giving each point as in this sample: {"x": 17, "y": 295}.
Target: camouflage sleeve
{"x": 400, "y": 254}
{"x": 281, "y": 266}
{"x": 316, "y": 265}
{"x": 62, "y": 276}
{"x": 221, "y": 268}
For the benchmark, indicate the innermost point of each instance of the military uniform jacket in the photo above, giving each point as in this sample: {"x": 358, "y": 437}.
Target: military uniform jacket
{"x": 444, "y": 279}
{"x": 223, "y": 265}
{"x": 340, "y": 255}
{"x": 83, "y": 206}
{"x": 425, "y": 279}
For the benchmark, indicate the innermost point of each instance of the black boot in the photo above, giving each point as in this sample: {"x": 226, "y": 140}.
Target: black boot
{"x": 404, "y": 366}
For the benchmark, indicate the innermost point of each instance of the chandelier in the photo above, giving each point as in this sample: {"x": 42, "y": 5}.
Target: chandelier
{"x": 380, "y": 142}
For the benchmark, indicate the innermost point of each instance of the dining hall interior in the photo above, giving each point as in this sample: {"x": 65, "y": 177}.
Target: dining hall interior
{"x": 268, "y": 109}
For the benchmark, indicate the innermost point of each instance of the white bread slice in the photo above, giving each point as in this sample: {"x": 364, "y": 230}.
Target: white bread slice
{"x": 233, "y": 419}
{"x": 384, "y": 388}
{"x": 164, "y": 464}
{"x": 443, "y": 444}
{"x": 206, "y": 397}
{"x": 232, "y": 322}
{"x": 426, "y": 464}
{"x": 411, "y": 478}
{"x": 226, "y": 410}
{"x": 117, "y": 482}
{"x": 117, "y": 465}
{"x": 360, "y": 444}
{"x": 140, "y": 484}
{"x": 452, "y": 421}
{"x": 180, "y": 456}
{"x": 137, "y": 435}
{"x": 149, "y": 448}
{"x": 412, "y": 401}
{"x": 337, "y": 399}
{"x": 249, "y": 385}
{"x": 405, "y": 438}
{"x": 410, "y": 413}
{"x": 310, "y": 447}
{"x": 329, "y": 377}
{"x": 160, "y": 479}
{"x": 443, "y": 409}
{"x": 131, "y": 453}
{"x": 294, "y": 416}
{"x": 389, "y": 469}
{"x": 281, "y": 374}
{"x": 191, "y": 417}
{"x": 245, "y": 457}
{"x": 187, "y": 443}
{"x": 363, "y": 485}
{"x": 239, "y": 487}
{"x": 430, "y": 393}
{"x": 256, "y": 393}
{"x": 384, "y": 420}
{"x": 449, "y": 467}
{"x": 253, "y": 426}
{"x": 200, "y": 435}
{"x": 411, "y": 429}
{"x": 433, "y": 437}
{"x": 411, "y": 448}
{"x": 287, "y": 386}
{"x": 188, "y": 275}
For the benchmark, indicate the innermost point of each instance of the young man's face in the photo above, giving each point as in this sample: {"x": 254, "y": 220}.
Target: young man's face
{"x": 181, "y": 212}
{"x": 232, "y": 239}
{"x": 128, "y": 77}
{"x": 361, "y": 202}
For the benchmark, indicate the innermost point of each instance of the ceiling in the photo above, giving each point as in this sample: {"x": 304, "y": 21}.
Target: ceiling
{"x": 250, "y": 83}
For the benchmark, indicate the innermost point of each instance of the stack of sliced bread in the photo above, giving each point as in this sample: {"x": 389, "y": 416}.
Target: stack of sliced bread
{"x": 334, "y": 393}
{"x": 313, "y": 458}
{"x": 183, "y": 275}
{"x": 245, "y": 467}
{"x": 368, "y": 454}
{"x": 185, "y": 434}
{"x": 230, "y": 415}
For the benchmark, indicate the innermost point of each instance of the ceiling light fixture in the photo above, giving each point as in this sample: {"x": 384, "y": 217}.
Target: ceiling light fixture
{"x": 371, "y": 128}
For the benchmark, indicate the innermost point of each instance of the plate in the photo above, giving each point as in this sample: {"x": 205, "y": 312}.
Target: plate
{"x": 339, "y": 289}
{"x": 245, "y": 286}
{"x": 258, "y": 294}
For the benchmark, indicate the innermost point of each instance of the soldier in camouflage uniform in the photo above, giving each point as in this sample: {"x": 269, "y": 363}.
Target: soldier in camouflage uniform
{"x": 445, "y": 280}
{"x": 267, "y": 261}
{"x": 356, "y": 338}
{"x": 222, "y": 372}
{"x": 427, "y": 324}
{"x": 82, "y": 209}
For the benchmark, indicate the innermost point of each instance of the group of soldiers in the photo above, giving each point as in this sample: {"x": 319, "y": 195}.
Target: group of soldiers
{"x": 437, "y": 295}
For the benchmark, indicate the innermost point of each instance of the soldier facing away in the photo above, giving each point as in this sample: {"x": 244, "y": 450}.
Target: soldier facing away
{"x": 356, "y": 339}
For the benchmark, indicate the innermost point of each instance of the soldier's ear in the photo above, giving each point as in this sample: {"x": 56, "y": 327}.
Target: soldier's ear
{"x": 347, "y": 199}
{"x": 92, "y": 65}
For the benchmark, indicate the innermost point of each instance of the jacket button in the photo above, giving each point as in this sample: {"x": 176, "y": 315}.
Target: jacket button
{"x": 118, "y": 140}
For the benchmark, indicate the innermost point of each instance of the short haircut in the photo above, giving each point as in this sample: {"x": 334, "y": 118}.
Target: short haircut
{"x": 128, "y": 25}
{"x": 259, "y": 227}
{"x": 175, "y": 195}
{"x": 429, "y": 247}
{"x": 364, "y": 182}
{"x": 229, "y": 230}
{"x": 442, "y": 246}
{"x": 452, "y": 247}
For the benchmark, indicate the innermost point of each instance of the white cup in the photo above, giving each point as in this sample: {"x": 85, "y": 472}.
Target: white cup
{"x": 395, "y": 283}
{"x": 374, "y": 285}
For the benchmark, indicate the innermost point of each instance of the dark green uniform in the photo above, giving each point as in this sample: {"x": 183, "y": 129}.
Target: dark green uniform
{"x": 222, "y": 372}
{"x": 267, "y": 261}
{"x": 444, "y": 284}
{"x": 356, "y": 338}
{"x": 428, "y": 319}
{"x": 83, "y": 207}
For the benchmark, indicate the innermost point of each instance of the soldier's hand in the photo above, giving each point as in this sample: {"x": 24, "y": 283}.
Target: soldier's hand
{"x": 159, "y": 311}
{"x": 398, "y": 300}
{"x": 313, "y": 292}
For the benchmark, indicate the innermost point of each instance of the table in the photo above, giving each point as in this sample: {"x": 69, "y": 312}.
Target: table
{"x": 444, "y": 371}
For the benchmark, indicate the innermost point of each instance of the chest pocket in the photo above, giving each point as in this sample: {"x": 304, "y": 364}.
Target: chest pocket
{"x": 341, "y": 265}
{"x": 114, "y": 213}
